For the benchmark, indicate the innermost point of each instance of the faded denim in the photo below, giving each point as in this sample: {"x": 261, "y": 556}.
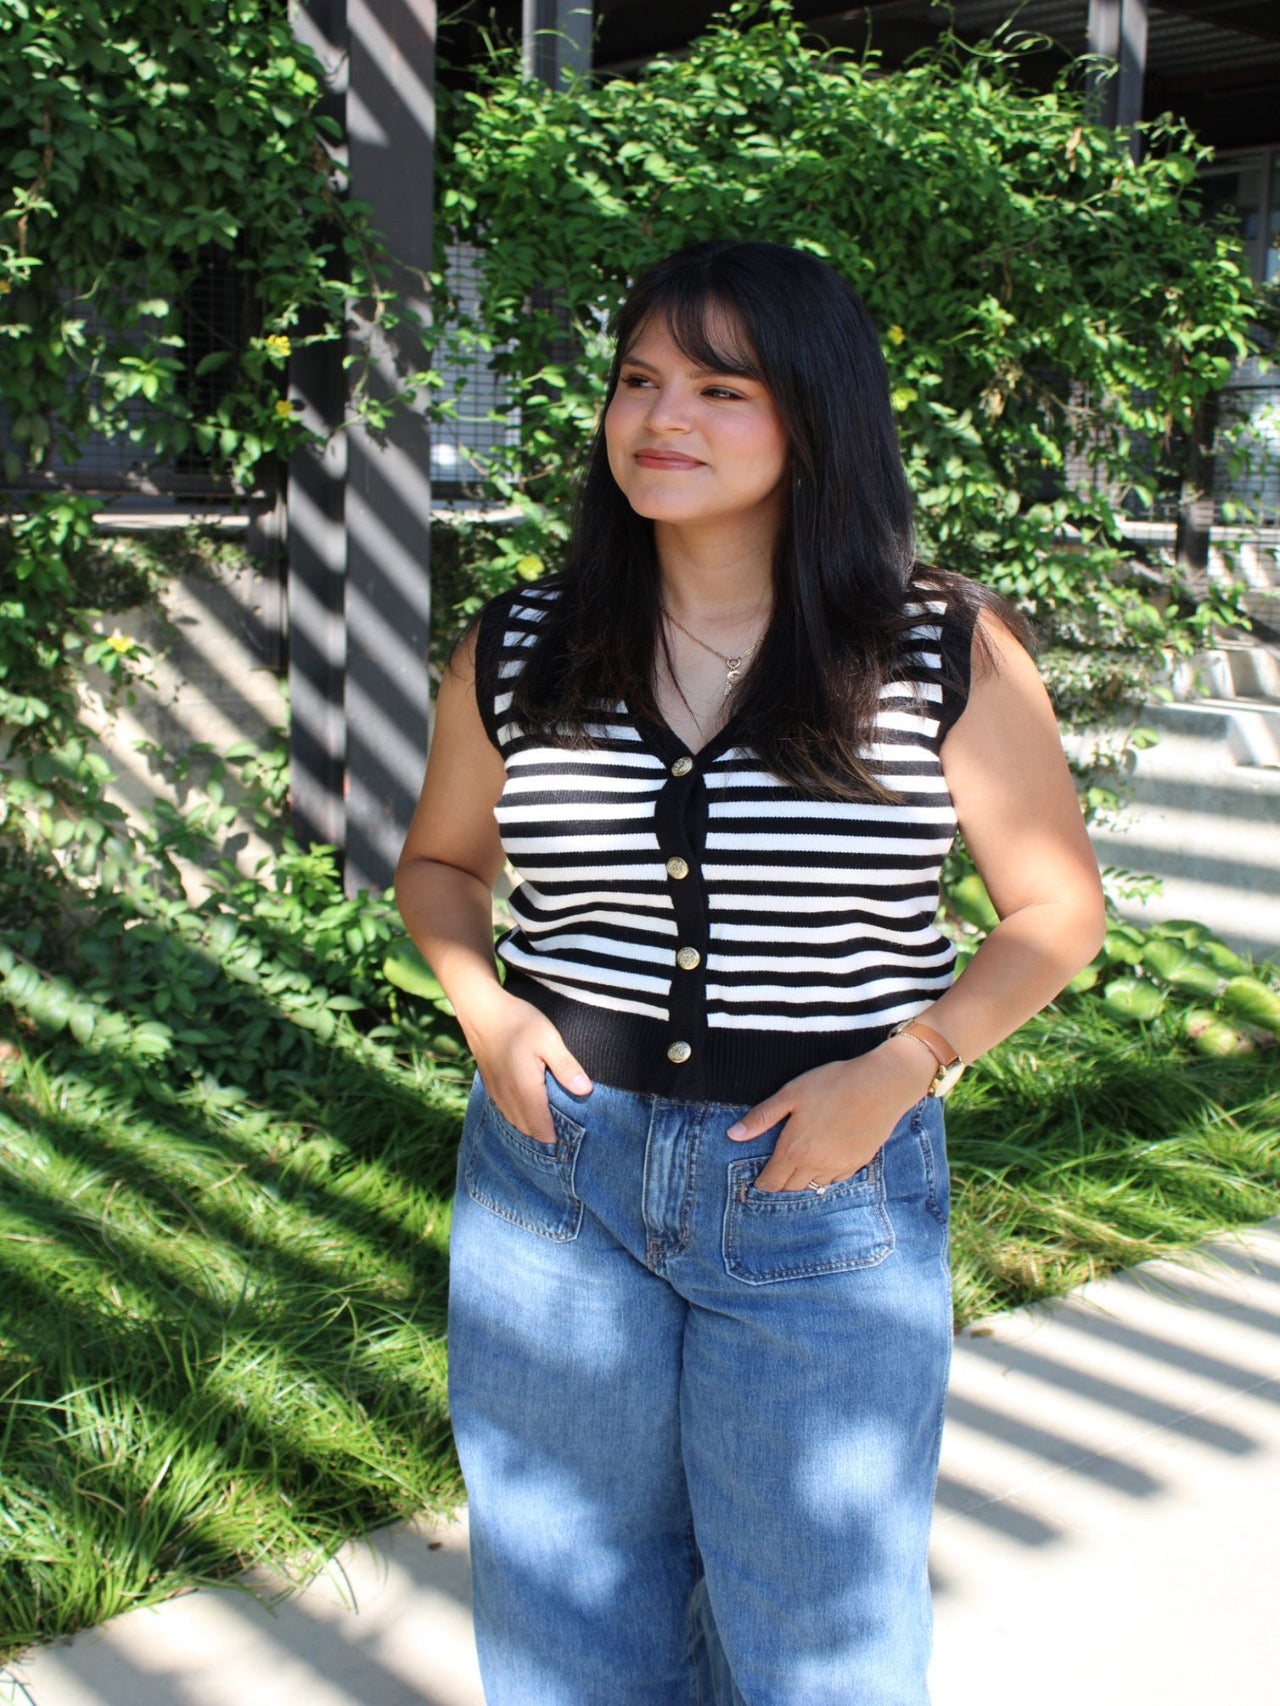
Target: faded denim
{"x": 699, "y": 1425}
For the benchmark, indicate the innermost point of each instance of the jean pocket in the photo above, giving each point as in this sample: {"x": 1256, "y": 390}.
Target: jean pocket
{"x": 786, "y": 1235}
{"x": 521, "y": 1180}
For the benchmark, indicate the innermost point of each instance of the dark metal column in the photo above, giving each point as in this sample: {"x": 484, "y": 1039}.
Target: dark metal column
{"x": 316, "y": 540}
{"x": 1118, "y": 32}
{"x": 557, "y": 39}
{"x": 391, "y": 132}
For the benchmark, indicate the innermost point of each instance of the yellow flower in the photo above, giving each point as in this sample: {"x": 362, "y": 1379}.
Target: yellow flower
{"x": 284, "y": 408}
{"x": 5, "y": 286}
{"x": 529, "y": 568}
{"x": 278, "y": 344}
{"x": 896, "y": 335}
{"x": 119, "y": 642}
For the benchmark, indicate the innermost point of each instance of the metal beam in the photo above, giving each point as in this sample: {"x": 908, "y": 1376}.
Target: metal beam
{"x": 391, "y": 131}
{"x": 1117, "y": 31}
{"x": 557, "y": 38}
{"x": 316, "y": 541}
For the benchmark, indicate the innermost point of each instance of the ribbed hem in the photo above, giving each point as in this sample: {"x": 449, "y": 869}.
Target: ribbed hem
{"x": 730, "y": 1066}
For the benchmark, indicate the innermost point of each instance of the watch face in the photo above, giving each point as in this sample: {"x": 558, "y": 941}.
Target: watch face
{"x": 947, "y": 1079}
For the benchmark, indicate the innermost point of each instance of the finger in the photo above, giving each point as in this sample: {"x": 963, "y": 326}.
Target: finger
{"x": 532, "y": 1116}
{"x": 567, "y": 1072}
{"x": 780, "y": 1174}
{"x": 759, "y": 1120}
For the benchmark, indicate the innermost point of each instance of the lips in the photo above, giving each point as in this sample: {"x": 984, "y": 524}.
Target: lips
{"x": 665, "y": 459}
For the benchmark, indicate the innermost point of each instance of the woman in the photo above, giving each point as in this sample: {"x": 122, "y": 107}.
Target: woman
{"x": 700, "y": 1313}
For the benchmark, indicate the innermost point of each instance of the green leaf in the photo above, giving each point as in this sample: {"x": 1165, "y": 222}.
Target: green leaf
{"x": 405, "y": 967}
{"x": 1131, "y": 998}
{"x": 970, "y": 900}
{"x": 1174, "y": 964}
{"x": 1250, "y": 999}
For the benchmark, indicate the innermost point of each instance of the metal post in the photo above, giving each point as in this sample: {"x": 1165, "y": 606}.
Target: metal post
{"x": 1133, "y": 68}
{"x": 316, "y": 540}
{"x": 557, "y": 40}
{"x": 391, "y": 131}
{"x": 1196, "y": 504}
{"x": 1117, "y": 30}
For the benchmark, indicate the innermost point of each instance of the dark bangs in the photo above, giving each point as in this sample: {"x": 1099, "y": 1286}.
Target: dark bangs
{"x": 689, "y": 309}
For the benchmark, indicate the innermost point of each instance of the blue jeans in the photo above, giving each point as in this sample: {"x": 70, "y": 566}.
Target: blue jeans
{"x": 699, "y": 1425}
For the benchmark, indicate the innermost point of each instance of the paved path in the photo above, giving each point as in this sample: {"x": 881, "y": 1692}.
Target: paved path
{"x": 1108, "y": 1531}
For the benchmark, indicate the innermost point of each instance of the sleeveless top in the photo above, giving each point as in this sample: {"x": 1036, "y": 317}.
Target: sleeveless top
{"x": 697, "y": 929}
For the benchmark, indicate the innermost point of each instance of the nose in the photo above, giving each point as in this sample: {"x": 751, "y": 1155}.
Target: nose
{"x": 668, "y": 410}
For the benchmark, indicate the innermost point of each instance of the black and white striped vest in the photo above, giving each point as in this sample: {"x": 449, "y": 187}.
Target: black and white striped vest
{"x": 697, "y": 929}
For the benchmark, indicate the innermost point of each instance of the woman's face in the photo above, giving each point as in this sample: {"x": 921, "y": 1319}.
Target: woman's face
{"x": 690, "y": 446}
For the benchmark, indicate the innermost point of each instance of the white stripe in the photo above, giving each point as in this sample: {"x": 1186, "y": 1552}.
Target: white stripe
{"x": 585, "y": 942}
{"x": 534, "y": 926}
{"x": 554, "y": 815}
{"x": 718, "y": 842}
{"x": 658, "y": 901}
{"x": 590, "y": 874}
{"x": 812, "y": 934}
{"x": 909, "y": 724}
{"x": 644, "y": 786}
{"x": 594, "y": 976}
{"x": 803, "y": 904}
{"x": 551, "y": 842}
{"x": 559, "y": 760}
{"x": 774, "y": 874}
{"x": 760, "y": 995}
{"x": 838, "y": 965}
{"x": 837, "y": 809}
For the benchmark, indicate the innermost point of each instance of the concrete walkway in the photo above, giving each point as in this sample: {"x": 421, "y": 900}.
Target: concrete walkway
{"x": 1108, "y": 1530}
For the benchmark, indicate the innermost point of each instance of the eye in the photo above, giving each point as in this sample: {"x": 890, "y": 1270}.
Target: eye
{"x": 726, "y": 392}
{"x": 634, "y": 381}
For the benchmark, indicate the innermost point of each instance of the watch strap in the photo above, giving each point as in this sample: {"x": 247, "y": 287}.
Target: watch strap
{"x": 949, "y": 1063}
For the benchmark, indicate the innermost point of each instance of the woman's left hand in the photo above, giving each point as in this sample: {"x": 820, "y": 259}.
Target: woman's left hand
{"x": 837, "y": 1116}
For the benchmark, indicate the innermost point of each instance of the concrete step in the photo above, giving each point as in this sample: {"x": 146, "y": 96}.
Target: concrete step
{"x": 1235, "y": 669}
{"x": 1248, "y": 731}
{"x": 1201, "y": 812}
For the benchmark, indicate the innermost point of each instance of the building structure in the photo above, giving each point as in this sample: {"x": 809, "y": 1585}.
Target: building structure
{"x": 356, "y": 517}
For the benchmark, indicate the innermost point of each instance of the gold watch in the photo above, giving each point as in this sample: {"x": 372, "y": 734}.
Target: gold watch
{"x": 950, "y": 1065}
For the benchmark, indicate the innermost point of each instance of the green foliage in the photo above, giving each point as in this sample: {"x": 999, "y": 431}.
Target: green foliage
{"x": 107, "y": 959}
{"x": 1052, "y": 314}
{"x": 1088, "y": 1142}
{"x": 141, "y": 142}
{"x": 138, "y": 139}
{"x": 222, "y": 1326}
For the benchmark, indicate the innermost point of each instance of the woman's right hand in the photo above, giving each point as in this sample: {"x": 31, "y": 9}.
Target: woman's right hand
{"x": 515, "y": 1046}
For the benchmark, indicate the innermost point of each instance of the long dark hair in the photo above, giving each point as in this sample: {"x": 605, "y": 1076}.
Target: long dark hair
{"x": 844, "y": 557}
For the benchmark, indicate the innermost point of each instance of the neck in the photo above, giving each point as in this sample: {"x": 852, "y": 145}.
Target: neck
{"x": 714, "y": 577}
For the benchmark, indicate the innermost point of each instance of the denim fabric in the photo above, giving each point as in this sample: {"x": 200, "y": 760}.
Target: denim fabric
{"x": 699, "y": 1424}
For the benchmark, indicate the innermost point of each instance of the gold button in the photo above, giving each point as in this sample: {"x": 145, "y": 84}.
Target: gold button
{"x": 688, "y": 959}
{"x": 677, "y": 868}
{"x": 678, "y": 1053}
{"x": 682, "y": 767}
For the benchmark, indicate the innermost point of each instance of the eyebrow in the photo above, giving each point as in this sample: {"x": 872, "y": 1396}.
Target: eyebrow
{"x": 728, "y": 371}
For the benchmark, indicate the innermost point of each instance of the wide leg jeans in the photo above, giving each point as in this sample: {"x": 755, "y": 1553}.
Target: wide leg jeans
{"x": 699, "y": 1424}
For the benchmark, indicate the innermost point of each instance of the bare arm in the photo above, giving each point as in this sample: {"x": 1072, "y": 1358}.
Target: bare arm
{"x": 444, "y": 888}
{"x": 1021, "y": 821}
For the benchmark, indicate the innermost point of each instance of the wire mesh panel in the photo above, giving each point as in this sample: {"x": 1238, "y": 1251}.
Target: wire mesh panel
{"x": 214, "y": 316}
{"x": 484, "y": 417}
{"x": 1247, "y": 474}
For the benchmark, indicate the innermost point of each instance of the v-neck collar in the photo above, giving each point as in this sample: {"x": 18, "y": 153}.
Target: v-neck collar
{"x": 661, "y": 738}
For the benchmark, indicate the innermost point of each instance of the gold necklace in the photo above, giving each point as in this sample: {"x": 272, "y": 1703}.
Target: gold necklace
{"x": 733, "y": 666}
